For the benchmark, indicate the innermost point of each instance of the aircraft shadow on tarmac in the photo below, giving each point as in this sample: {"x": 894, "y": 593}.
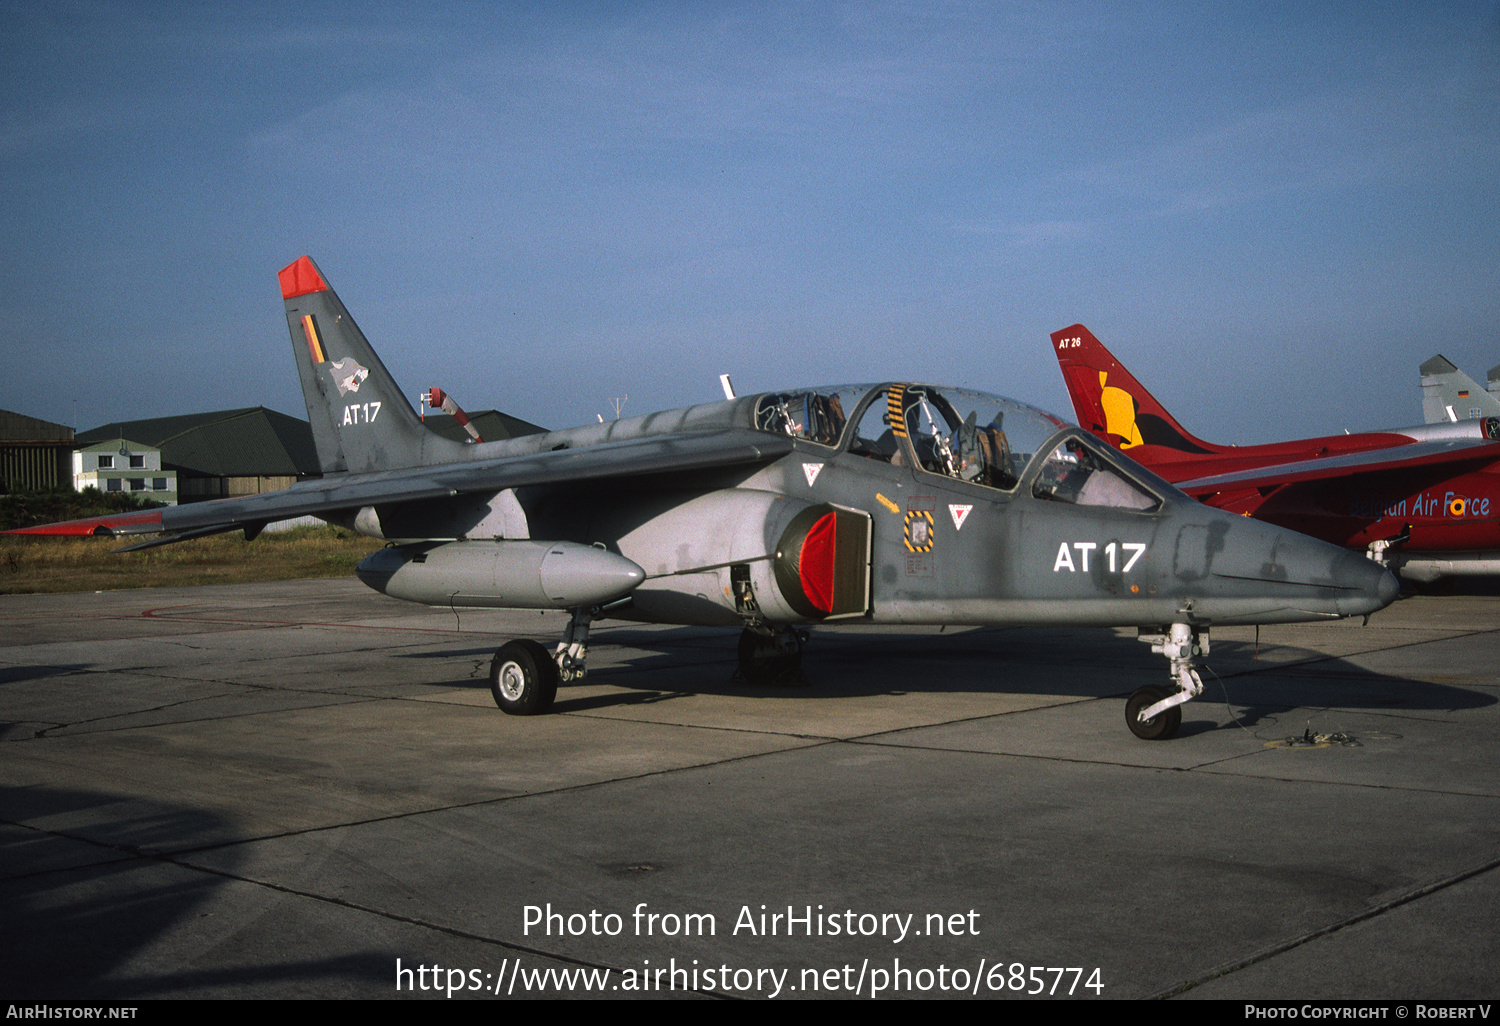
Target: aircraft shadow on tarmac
{"x": 1260, "y": 687}
{"x": 81, "y": 901}
{"x": 17, "y": 674}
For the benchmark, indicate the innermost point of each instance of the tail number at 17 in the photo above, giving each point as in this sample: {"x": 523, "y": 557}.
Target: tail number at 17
{"x": 352, "y": 413}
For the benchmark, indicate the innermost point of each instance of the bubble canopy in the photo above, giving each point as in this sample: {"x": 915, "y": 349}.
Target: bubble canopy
{"x": 958, "y": 433}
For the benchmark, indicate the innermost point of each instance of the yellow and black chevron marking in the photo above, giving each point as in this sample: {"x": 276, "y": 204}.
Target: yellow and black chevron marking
{"x": 895, "y": 400}
{"x": 919, "y": 533}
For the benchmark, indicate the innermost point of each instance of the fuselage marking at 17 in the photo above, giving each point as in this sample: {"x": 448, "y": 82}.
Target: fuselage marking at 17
{"x": 1112, "y": 553}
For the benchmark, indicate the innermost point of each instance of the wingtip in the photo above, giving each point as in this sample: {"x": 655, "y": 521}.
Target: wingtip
{"x": 300, "y": 277}
{"x": 110, "y": 525}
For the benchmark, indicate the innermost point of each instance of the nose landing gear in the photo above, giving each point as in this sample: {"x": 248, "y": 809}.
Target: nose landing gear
{"x": 1154, "y": 713}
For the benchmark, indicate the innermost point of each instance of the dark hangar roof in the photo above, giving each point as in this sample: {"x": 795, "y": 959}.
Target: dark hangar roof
{"x": 228, "y": 443}
{"x": 259, "y": 442}
{"x": 19, "y": 428}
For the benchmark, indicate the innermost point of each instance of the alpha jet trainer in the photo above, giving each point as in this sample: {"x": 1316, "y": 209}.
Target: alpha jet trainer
{"x": 898, "y": 503}
{"x": 1423, "y": 500}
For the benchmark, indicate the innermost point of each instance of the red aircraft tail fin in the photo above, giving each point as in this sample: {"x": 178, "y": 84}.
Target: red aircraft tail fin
{"x": 1111, "y": 403}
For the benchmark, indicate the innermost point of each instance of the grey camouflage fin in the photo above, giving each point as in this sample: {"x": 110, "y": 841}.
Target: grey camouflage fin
{"x": 361, "y": 421}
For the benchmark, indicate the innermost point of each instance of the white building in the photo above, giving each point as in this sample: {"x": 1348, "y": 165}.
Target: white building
{"x": 120, "y": 465}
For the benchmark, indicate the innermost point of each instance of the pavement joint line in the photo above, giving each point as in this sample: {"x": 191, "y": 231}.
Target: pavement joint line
{"x": 1353, "y": 784}
{"x": 865, "y": 738}
{"x": 193, "y": 701}
{"x": 1033, "y": 756}
{"x": 1211, "y": 766}
{"x": 1282, "y": 947}
{"x": 251, "y": 624}
{"x": 825, "y": 738}
{"x": 1349, "y": 655}
{"x": 396, "y": 917}
{"x": 354, "y": 700}
{"x": 173, "y": 853}
{"x": 1043, "y": 757}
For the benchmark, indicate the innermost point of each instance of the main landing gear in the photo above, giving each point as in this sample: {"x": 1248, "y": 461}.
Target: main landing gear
{"x": 524, "y": 675}
{"x": 1154, "y": 713}
{"x": 523, "y": 678}
{"x": 772, "y": 657}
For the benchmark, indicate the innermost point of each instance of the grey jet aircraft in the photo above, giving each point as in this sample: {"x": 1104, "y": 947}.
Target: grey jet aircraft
{"x": 1449, "y": 395}
{"x": 893, "y": 503}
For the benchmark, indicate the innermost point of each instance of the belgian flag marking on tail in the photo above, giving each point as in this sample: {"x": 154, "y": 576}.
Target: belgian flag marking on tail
{"x": 314, "y": 340}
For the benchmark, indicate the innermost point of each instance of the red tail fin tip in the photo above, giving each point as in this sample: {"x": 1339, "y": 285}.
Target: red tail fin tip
{"x": 301, "y": 277}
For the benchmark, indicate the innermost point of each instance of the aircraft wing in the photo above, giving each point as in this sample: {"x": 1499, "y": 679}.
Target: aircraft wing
{"x": 627, "y": 458}
{"x": 1439, "y": 452}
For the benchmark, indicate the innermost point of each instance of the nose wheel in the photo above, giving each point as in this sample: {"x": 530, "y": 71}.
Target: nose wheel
{"x": 1154, "y": 713}
{"x": 1159, "y": 727}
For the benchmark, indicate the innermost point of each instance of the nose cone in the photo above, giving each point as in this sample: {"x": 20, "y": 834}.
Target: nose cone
{"x": 1363, "y": 585}
{"x": 1247, "y": 571}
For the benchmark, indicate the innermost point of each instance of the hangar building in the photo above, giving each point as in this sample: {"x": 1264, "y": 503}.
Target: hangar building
{"x": 35, "y": 455}
{"x": 221, "y": 454}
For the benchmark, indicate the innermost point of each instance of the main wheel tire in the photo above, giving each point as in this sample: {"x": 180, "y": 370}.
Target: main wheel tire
{"x": 1163, "y": 726}
{"x": 523, "y": 678}
{"x": 764, "y": 661}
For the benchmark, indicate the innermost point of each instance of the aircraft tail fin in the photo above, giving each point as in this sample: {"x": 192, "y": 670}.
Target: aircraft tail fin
{"x": 1111, "y": 403}
{"x": 1448, "y": 394}
{"x": 360, "y": 420}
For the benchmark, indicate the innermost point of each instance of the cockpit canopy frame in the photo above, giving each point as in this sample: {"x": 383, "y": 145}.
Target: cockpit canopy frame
{"x": 999, "y": 443}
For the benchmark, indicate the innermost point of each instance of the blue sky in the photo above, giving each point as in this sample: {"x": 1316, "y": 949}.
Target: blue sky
{"x": 1271, "y": 212}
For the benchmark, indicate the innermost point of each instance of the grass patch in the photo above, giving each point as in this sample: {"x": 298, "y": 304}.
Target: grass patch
{"x": 30, "y": 509}
{"x": 30, "y": 566}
